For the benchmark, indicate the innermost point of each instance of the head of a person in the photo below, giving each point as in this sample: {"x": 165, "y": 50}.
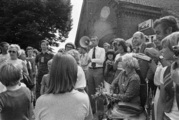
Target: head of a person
{"x": 157, "y": 43}
{"x": 44, "y": 45}
{"x": 61, "y": 50}
{"x": 14, "y": 50}
{"x": 4, "y": 47}
{"x": 122, "y": 46}
{"x": 83, "y": 50}
{"x": 10, "y": 74}
{"x": 115, "y": 42}
{"x": 110, "y": 55}
{"x": 22, "y": 54}
{"x": 78, "y": 49}
{"x": 75, "y": 54}
{"x": 30, "y": 51}
{"x": 165, "y": 26}
{"x": 35, "y": 52}
{"x": 106, "y": 46}
{"x": 138, "y": 38}
{"x": 94, "y": 41}
{"x": 167, "y": 45}
{"x": 69, "y": 46}
{"x": 64, "y": 67}
{"x": 49, "y": 63}
{"x": 129, "y": 62}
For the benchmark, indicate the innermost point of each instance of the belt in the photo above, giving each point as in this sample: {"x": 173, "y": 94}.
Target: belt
{"x": 95, "y": 67}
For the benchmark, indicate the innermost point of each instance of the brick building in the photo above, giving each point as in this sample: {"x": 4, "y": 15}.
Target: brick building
{"x": 109, "y": 19}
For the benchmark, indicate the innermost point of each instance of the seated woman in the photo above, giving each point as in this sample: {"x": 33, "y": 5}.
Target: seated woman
{"x": 128, "y": 82}
{"x": 62, "y": 101}
{"x": 15, "y": 102}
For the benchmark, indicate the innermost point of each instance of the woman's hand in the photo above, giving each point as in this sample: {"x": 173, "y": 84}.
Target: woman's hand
{"x": 108, "y": 62}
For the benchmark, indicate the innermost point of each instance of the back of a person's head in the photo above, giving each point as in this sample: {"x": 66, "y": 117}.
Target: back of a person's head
{"x": 71, "y": 44}
{"x": 122, "y": 43}
{"x": 61, "y": 50}
{"x": 21, "y": 52}
{"x": 10, "y": 74}
{"x": 171, "y": 40}
{"x": 75, "y": 54}
{"x": 167, "y": 22}
{"x": 106, "y": 44}
{"x": 63, "y": 74}
{"x": 129, "y": 61}
{"x": 36, "y": 51}
{"x": 29, "y": 48}
{"x": 3, "y": 43}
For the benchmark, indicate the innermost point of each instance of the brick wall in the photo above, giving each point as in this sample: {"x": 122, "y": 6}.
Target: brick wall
{"x": 122, "y": 21}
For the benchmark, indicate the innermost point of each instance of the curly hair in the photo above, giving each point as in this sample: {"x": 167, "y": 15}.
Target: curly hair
{"x": 75, "y": 54}
{"x": 17, "y": 48}
{"x": 129, "y": 61}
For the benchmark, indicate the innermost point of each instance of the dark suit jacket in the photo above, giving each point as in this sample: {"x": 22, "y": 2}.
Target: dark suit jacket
{"x": 144, "y": 66}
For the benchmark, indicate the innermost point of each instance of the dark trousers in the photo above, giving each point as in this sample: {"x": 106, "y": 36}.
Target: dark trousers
{"x": 38, "y": 82}
{"x": 95, "y": 78}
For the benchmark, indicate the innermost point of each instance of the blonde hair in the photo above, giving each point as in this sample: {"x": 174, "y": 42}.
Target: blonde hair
{"x": 75, "y": 54}
{"x": 129, "y": 61}
{"x": 17, "y": 48}
{"x": 21, "y": 51}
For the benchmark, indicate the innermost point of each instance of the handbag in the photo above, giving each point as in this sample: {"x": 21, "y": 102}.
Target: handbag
{"x": 123, "y": 110}
{"x": 27, "y": 81}
{"x": 129, "y": 108}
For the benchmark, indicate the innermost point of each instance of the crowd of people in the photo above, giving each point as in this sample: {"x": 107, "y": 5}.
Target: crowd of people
{"x": 71, "y": 84}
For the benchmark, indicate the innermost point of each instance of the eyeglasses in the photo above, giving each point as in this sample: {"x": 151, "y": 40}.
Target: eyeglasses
{"x": 10, "y": 51}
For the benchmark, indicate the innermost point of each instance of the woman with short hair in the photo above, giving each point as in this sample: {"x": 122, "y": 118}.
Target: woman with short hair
{"x": 14, "y": 51}
{"x": 15, "y": 102}
{"x": 61, "y": 101}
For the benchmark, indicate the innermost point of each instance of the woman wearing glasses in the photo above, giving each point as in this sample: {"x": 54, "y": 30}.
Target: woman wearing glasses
{"x": 14, "y": 51}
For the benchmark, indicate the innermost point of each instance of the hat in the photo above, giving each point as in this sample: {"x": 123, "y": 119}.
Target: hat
{"x": 152, "y": 52}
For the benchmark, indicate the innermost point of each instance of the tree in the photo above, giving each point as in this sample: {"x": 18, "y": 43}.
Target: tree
{"x": 27, "y": 22}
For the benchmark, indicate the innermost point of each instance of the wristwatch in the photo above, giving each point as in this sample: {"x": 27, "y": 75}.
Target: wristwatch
{"x": 160, "y": 58}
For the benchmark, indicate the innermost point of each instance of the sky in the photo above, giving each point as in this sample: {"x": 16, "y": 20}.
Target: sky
{"x": 76, "y": 10}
